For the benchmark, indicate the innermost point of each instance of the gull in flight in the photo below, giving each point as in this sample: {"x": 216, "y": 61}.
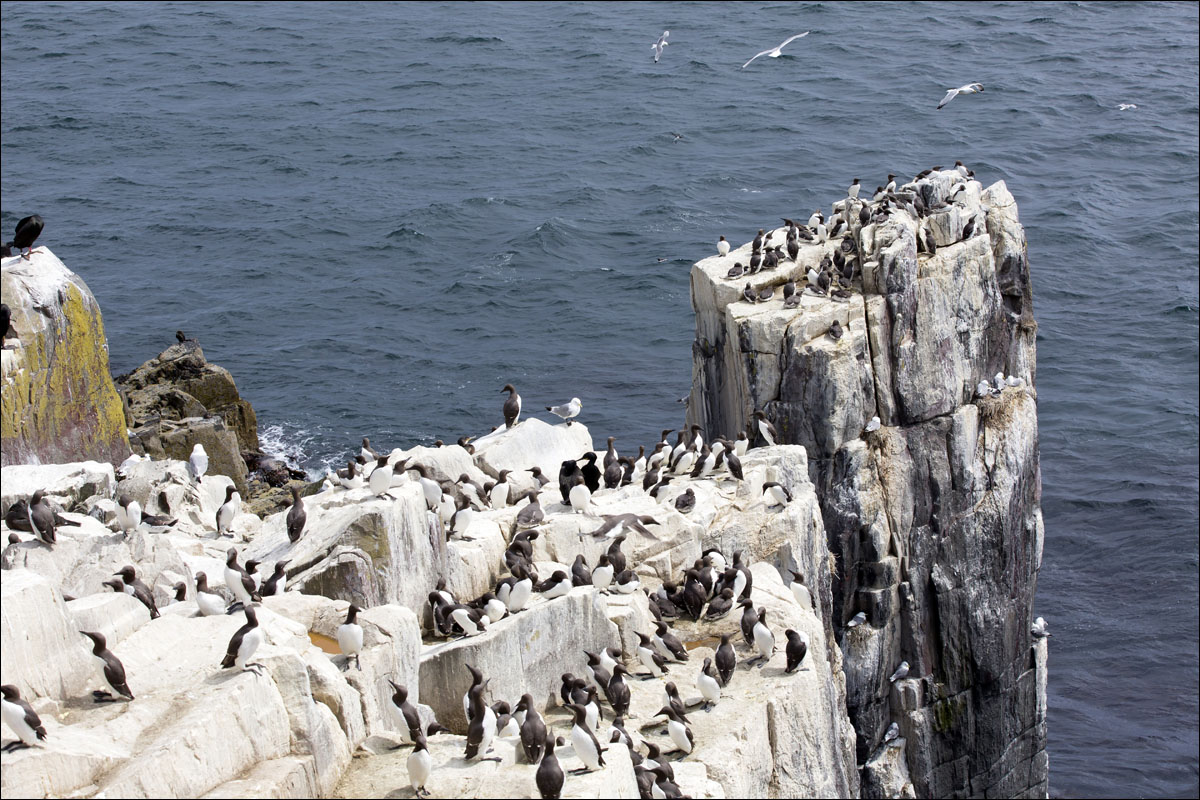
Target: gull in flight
{"x": 970, "y": 88}
{"x": 776, "y": 52}
{"x": 658, "y": 46}
{"x": 1125, "y": 106}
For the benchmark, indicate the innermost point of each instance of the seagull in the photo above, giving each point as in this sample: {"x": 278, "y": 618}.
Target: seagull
{"x": 1125, "y": 106}
{"x": 970, "y": 88}
{"x": 677, "y": 136}
{"x": 567, "y": 410}
{"x": 776, "y": 52}
{"x": 658, "y": 46}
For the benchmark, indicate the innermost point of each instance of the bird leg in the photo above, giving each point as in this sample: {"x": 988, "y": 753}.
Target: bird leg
{"x": 581, "y": 771}
{"x": 357, "y": 665}
{"x": 15, "y": 744}
{"x": 251, "y": 668}
{"x": 102, "y": 697}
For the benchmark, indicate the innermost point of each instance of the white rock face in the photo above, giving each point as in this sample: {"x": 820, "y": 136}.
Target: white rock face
{"x": 532, "y": 443}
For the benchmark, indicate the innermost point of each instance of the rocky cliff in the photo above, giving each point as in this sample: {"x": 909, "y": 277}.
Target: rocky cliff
{"x": 59, "y": 403}
{"x": 933, "y": 516}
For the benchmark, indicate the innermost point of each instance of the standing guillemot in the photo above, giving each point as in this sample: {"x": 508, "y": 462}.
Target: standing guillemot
{"x": 680, "y": 733}
{"x": 243, "y": 645}
{"x": 707, "y": 683}
{"x": 128, "y": 513}
{"x": 651, "y": 660}
{"x": 584, "y": 741}
{"x": 764, "y": 428}
{"x": 350, "y": 636}
{"x": 537, "y": 474}
{"x": 567, "y": 411}
{"x": 21, "y": 717}
{"x": 41, "y": 518}
{"x": 549, "y": 777}
{"x": 180, "y": 589}
{"x": 381, "y": 477}
{"x": 482, "y": 727}
{"x": 239, "y": 582}
{"x": 580, "y": 574}
{"x": 412, "y": 720}
{"x": 591, "y": 473}
{"x": 276, "y": 584}
{"x": 419, "y": 765}
{"x": 512, "y": 406}
{"x": 296, "y": 517}
{"x": 797, "y": 648}
{"x": 617, "y": 691}
{"x": 498, "y": 494}
{"x": 210, "y": 604}
{"x": 726, "y": 659}
{"x": 722, "y": 247}
{"x": 228, "y": 512}
{"x": 533, "y": 730}
{"x": 140, "y": 591}
{"x": 569, "y": 475}
{"x": 111, "y": 670}
{"x": 764, "y": 640}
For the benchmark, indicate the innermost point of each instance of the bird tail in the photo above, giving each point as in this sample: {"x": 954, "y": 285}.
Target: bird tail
{"x": 227, "y": 662}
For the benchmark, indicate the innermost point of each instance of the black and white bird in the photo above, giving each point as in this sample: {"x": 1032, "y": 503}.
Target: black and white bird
{"x": 549, "y": 777}
{"x": 408, "y": 712}
{"x": 41, "y": 518}
{"x": 650, "y": 659}
{"x": 296, "y": 517}
{"x": 764, "y": 428}
{"x": 668, "y": 644}
{"x": 110, "y": 668}
{"x": 970, "y": 88}
{"x": 209, "y": 603}
{"x": 679, "y": 732}
{"x": 139, "y": 590}
{"x": 726, "y": 659}
{"x": 512, "y": 406}
{"x": 277, "y": 583}
{"x": 584, "y": 740}
{"x": 857, "y": 619}
{"x": 128, "y": 513}
{"x": 764, "y": 640}
{"x": 238, "y": 581}
{"x": 778, "y": 493}
{"x": 685, "y": 502}
{"x": 21, "y": 718}
{"x": 228, "y": 511}
{"x": 244, "y": 644}
{"x": 709, "y": 686}
{"x": 420, "y": 766}
{"x": 481, "y": 728}
{"x": 722, "y": 247}
{"x": 797, "y": 648}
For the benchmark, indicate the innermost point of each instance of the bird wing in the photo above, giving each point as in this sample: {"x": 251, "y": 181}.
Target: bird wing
{"x": 760, "y": 55}
{"x": 950, "y": 95}
{"x": 794, "y": 38}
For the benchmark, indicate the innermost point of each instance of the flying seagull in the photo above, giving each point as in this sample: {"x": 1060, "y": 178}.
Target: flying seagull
{"x": 1125, "y": 106}
{"x": 970, "y": 88}
{"x": 677, "y": 136}
{"x": 658, "y": 46}
{"x": 777, "y": 51}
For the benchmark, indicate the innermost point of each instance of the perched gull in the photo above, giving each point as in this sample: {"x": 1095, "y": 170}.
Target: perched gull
{"x": 1125, "y": 106}
{"x": 776, "y": 52}
{"x": 970, "y": 88}
{"x": 658, "y": 46}
{"x": 567, "y": 410}
{"x": 1039, "y": 629}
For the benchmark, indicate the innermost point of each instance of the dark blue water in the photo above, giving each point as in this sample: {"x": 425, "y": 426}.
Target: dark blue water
{"x": 375, "y": 216}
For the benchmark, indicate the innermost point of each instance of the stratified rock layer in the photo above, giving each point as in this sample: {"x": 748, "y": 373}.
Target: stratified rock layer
{"x": 934, "y": 519}
{"x": 59, "y": 404}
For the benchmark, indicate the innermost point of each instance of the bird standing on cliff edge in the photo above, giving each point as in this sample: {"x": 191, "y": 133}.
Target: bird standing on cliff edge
{"x": 28, "y": 230}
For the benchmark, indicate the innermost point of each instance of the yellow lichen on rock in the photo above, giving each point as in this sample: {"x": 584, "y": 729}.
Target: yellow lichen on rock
{"x": 59, "y": 403}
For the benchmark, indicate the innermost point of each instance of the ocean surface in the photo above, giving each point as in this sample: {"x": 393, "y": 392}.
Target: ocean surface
{"x": 377, "y": 215}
